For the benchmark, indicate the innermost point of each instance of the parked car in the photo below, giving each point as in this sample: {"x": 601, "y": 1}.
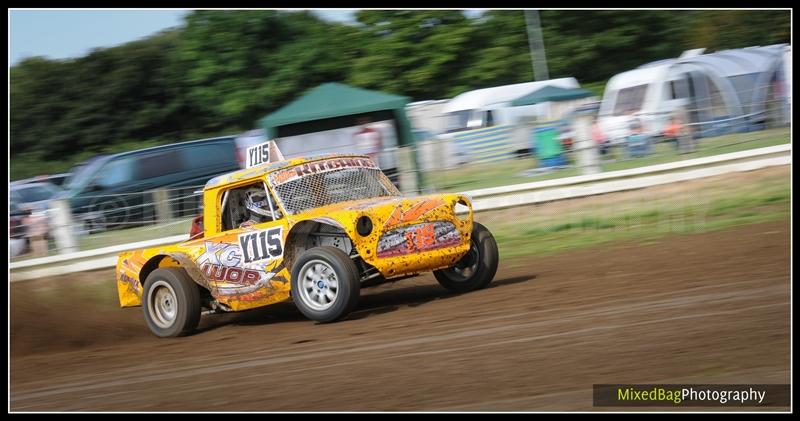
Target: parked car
{"x": 27, "y": 197}
{"x": 55, "y": 179}
{"x": 314, "y": 230}
{"x": 17, "y": 239}
{"x": 16, "y": 228}
{"x": 37, "y": 194}
{"x": 117, "y": 190}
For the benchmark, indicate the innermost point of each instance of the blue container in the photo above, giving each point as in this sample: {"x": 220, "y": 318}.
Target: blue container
{"x": 639, "y": 145}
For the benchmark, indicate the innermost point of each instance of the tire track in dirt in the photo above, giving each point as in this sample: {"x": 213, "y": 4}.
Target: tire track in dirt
{"x": 577, "y": 320}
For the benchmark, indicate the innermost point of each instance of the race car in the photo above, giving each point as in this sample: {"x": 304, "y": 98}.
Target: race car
{"x": 311, "y": 230}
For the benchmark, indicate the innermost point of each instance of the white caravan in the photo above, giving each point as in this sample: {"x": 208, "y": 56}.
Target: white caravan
{"x": 718, "y": 93}
{"x": 492, "y": 106}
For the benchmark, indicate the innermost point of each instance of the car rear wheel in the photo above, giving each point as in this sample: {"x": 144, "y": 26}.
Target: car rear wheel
{"x": 325, "y": 284}
{"x": 477, "y": 268}
{"x": 171, "y": 302}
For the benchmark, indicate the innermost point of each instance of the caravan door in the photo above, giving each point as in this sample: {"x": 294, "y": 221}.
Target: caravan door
{"x": 676, "y": 97}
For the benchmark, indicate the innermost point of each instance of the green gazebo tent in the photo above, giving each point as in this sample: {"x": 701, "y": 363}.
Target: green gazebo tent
{"x": 335, "y": 105}
{"x": 551, "y": 93}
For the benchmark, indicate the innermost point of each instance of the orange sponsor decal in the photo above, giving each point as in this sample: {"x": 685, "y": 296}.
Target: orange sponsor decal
{"x": 413, "y": 213}
{"x": 422, "y": 238}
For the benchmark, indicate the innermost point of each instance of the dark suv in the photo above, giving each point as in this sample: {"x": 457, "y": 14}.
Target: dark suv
{"x": 120, "y": 190}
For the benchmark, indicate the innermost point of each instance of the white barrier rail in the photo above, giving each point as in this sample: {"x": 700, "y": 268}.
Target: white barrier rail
{"x": 633, "y": 172}
{"x": 484, "y": 199}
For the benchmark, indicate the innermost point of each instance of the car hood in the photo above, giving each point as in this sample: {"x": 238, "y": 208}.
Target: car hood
{"x": 388, "y": 212}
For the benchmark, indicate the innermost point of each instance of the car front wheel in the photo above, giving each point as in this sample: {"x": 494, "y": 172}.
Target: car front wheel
{"x": 477, "y": 268}
{"x": 325, "y": 284}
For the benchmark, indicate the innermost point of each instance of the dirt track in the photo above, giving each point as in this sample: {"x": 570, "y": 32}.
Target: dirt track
{"x": 703, "y": 308}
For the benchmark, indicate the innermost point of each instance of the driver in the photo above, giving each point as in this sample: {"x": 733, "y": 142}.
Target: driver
{"x": 257, "y": 203}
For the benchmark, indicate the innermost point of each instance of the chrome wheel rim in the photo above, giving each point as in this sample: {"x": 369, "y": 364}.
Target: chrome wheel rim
{"x": 163, "y": 304}
{"x": 319, "y": 286}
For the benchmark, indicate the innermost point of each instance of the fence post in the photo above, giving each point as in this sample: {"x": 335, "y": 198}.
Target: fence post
{"x": 61, "y": 226}
{"x": 586, "y": 156}
{"x": 162, "y": 207}
{"x": 406, "y": 170}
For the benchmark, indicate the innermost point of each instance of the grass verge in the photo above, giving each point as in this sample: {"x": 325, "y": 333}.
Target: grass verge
{"x": 643, "y": 218}
{"x": 479, "y": 176}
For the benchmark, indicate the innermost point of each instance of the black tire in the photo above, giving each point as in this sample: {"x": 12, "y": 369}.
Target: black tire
{"x": 477, "y": 268}
{"x": 312, "y": 289}
{"x": 168, "y": 291}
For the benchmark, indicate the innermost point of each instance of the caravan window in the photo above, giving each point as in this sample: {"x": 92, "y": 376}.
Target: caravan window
{"x": 457, "y": 121}
{"x": 630, "y": 100}
{"x": 476, "y": 120}
{"x": 678, "y": 89}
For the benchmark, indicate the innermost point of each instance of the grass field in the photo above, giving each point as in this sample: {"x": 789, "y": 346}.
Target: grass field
{"x": 479, "y": 176}
{"x": 640, "y": 217}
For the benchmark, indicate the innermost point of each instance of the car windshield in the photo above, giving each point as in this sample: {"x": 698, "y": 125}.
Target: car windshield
{"x": 330, "y": 181}
{"x": 34, "y": 193}
{"x": 81, "y": 172}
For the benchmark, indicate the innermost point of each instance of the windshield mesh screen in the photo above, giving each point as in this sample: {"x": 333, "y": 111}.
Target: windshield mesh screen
{"x": 328, "y": 182}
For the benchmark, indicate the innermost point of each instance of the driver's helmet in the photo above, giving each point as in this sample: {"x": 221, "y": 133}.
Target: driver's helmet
{"x": 256, "y": 201}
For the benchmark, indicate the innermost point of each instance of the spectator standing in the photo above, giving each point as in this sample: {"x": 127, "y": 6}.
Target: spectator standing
{"x": 673, "y": 131}
{"x": 679, "y": 134}
{"x": 600, "y": 138}
{"x": 368, "y": 140}
{"x": 37, "y": 227}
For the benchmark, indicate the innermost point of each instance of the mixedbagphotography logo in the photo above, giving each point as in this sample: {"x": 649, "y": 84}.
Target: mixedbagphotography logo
{"x": 681, "y": 395}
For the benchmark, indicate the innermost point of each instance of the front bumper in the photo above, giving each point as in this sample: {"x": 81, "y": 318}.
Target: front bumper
{"x": 422, "y": 247}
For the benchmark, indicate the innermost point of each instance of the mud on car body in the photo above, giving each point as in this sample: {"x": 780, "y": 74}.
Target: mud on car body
{"x": 323, "y": 228}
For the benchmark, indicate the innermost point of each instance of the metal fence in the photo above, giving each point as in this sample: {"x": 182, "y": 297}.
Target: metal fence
{"x": 100, "y": 220}
{"x": 532, "y": 151}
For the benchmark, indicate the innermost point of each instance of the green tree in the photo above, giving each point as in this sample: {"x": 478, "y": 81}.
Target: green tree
{"x": 594, "y": 45}
{"x": 115, "y": 94}
{"x": 414, "y": 53}
{"x": 241, "y": 64}
{"x": 726, "y": 29}
{"x": 498, "y": 53}
{"x": 36, "y": 99}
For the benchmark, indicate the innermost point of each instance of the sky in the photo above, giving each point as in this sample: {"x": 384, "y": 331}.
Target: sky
{"x": 60, "y": 34}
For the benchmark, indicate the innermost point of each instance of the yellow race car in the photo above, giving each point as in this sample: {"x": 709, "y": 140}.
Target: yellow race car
{"x": 312, "y": 230}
